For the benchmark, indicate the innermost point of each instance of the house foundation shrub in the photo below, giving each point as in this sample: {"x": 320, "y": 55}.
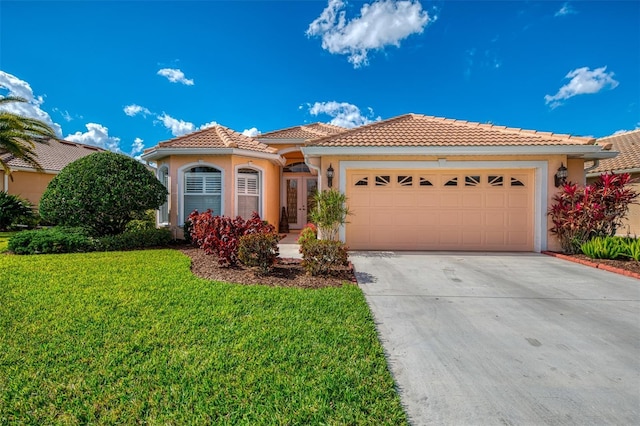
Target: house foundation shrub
{"x": 220, "y": 235}
{"x": 259, "y": 250}
{"x": 319, "y": 257}
{"x": 51, "y": 241}
{"x": 73, "y": 240}
{"x": 135, "y": 239}
{"x": 597, "y": 210}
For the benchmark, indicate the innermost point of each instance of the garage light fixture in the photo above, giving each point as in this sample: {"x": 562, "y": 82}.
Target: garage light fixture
{"x": 561, "y": 175}
{"x": 330, "y": 176}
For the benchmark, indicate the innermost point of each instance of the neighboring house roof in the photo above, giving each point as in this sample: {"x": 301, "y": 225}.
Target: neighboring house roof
{"x": 412, "y": 134}
{"x": 212, "y": 140}
{"x": 53, "y": 156}
{"x": 303, "y": 132}
{"x": 628, "y": 159}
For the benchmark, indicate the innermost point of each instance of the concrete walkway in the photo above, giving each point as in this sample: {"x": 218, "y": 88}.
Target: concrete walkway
{"x": 504, "y": 339}
{"x": 288, "y": 246}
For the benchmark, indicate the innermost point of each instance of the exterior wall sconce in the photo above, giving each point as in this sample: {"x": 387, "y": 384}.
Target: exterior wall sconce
{"x": 330, "y": 176}
{"x": 561, "y": 175}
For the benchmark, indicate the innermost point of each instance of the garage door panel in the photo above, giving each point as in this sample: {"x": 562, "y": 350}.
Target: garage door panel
{"x": 358, "y": 199}
{"x": 417, "y": 210}
{"x": 405, "y": 200}
{"x": 518, "y": 200}
{"x": 450, "y": 199}
{"x": 497, "y": 200}
{"x": 449, "y": 218}
{"x": 470, "y": 199}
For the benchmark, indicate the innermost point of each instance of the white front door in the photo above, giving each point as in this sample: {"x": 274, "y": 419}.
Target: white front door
{"x": 298, "y": 193}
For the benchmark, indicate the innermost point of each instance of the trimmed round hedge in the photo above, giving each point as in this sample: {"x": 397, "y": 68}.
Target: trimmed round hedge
{"x": 101, "y": 192}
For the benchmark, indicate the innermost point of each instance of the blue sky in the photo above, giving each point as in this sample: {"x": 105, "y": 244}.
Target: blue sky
{"x": 127, "y": 75}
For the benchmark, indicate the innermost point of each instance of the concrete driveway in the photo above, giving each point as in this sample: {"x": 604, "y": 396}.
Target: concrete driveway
{"x": 483, "y": 339}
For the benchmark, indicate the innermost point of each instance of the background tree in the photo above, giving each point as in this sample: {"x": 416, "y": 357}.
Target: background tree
{"x": 19, "y": 135}
{"x": 101, "y": 192}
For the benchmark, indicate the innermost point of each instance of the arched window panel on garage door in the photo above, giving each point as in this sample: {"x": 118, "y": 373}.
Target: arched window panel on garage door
{"x": 202, "y": 190}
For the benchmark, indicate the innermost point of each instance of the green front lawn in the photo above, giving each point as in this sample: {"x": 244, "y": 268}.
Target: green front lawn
{"x": 4, "y": 240}
{"x": 134, "y": 337}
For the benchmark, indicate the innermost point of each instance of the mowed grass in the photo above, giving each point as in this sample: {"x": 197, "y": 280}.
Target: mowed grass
{"x": 134, "y": 337}
{"x": 4, "y": 240}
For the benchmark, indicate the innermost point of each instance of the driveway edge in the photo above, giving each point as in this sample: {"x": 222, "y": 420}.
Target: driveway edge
{"x": 593, "y": 264}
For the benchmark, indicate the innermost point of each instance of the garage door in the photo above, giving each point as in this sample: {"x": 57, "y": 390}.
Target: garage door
{"x": 440, "y": 210}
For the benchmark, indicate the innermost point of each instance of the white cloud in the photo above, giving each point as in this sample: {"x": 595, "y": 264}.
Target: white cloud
{"x": 177, "y": 127}
{"x": 583, "y": 81}
{"x": 252, "y": 132}
{"x": 343, "y": 114}
{"x": 20, "y": 88}
{"x": 134, "y": 109}
{"x": 566, "y": 9}
{"x": 619, "y": 132}
{"x": 137, "y": 147}
{"x": 175, "y": 76}
{"x": 97, "y": 135}
{"x": 209, "y": 124}
{"x": 381, "y": 23}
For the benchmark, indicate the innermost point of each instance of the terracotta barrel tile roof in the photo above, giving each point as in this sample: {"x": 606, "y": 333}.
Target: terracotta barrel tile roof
{"x": 53, "y": 156}
{"x": 628, "y": 146}
{"x": 307, "y": 131}
{"x": 421, "y": 130}
{"x": 215, "y": 137}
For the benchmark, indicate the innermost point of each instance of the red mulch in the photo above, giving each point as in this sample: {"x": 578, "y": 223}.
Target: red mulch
{"x": 286, "y": 273}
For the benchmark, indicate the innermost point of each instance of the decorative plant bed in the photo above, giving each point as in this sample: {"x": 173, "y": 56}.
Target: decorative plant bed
{"x": 625, "y": 267}
{"x": 285, "y": 273}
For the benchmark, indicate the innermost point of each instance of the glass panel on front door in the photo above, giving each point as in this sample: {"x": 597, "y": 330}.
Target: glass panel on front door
{"x": 299, "y": 191}
{"x": 292, "y": 201}
{"x": 312, "y": 185}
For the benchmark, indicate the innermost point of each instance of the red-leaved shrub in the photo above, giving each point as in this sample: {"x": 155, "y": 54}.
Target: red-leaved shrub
{"x": 598, "y": 209}
{"x": 220, "y": 235}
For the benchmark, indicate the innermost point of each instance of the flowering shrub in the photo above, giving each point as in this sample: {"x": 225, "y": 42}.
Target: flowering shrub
{"x": 220, "y": 235}
{"x": 309, "y": 232}
{"x": 579, "y": 214}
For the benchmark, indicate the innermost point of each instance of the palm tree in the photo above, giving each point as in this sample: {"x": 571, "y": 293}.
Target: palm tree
{"x": 19, "y": 135}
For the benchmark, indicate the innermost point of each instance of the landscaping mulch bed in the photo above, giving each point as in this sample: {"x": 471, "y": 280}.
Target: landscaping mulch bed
{"x": 286, "y": 273}
{"x": 625, "y": 267}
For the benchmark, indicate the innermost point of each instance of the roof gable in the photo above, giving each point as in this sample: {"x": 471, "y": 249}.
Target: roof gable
{"x": 416, "y": 130}
{"x": 303, "y": 132}
{"x": 215, "y": 137}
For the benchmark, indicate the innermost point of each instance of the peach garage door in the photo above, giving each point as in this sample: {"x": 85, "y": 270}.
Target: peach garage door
{"x": 440, "y": 210}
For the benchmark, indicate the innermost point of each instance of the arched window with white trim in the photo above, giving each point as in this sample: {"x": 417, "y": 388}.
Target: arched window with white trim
{"x": 163, "y": 211}
{"x": 202, "y": 190}
{"x": 248, "y": 192}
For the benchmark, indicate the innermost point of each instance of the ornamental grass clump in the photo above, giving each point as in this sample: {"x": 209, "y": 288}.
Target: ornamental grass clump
{"x": 597, "y": 210}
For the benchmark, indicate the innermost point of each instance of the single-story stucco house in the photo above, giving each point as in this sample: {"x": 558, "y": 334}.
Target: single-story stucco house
{"x": 29, "y": 183}
{"x": 627, "y": 161}
{"x": 413, "y": 182}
